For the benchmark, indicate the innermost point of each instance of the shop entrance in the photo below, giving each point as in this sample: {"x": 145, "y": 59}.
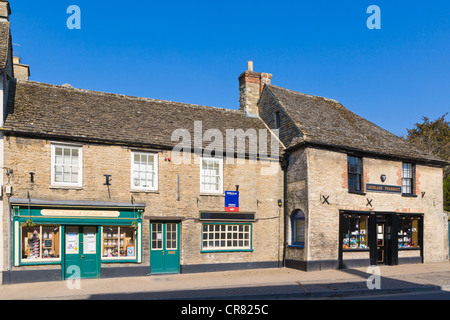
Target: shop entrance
{"x": 384, "y": 240}
{"x": 381, "y": 244}
{"x": 81, "y": 254}
{"x": 165, "y": 247}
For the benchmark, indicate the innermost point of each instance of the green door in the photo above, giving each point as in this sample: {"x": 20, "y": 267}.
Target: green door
{"x": 165, "y": 247}
{"x": 81, "y": 252}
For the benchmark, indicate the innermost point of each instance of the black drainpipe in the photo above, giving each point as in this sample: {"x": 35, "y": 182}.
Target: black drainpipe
{"x": 284, "y": 167}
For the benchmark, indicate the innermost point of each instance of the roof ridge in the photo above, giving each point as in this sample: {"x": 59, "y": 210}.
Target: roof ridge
{"x": 304, "y": 94}
{"x": 342, "y": 107}
{"x": 185, "y": 104}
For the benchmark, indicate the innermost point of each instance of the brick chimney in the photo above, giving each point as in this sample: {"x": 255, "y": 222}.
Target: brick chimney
{"x": 5, "y": 10}
{"x": 21, "y": 71}
{"x": 251, "y": 84}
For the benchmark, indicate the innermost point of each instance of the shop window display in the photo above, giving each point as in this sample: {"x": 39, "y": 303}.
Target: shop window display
{"x": 408, "y": 232}
{"x": 118, "y": 242}
{"x": 355, "y": 231}
{"x": 40, "y": 243}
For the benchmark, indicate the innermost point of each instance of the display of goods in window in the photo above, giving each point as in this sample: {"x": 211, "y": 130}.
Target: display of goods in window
{"x": 34, "y": 245}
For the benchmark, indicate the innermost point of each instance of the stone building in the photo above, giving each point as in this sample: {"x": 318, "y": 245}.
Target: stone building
{"x": 356, "y": 195}
{"x": 102, "y": 185}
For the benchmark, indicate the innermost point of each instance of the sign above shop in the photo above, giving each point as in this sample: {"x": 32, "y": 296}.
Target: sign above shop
{"x": 225, "y": 216}
{"x": 79, "y": 213}
{"x": 383, "y": 188}
{"x": 232, "y": 201}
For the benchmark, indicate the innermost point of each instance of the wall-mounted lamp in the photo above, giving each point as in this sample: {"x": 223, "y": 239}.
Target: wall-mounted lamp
{"x": 32, "y": 177}
{"x": 108, "y": 180}
{"x": 8, "y": 190}
{"x": 383, "y": 178}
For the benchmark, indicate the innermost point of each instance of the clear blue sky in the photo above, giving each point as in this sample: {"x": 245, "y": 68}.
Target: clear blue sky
{"x": 194, "y": 51}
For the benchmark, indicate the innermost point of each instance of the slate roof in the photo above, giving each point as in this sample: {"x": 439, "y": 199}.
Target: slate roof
{"x": 44, "y": 109}
{"x": 51, "y": 111}
{"x": 326, "y": 122}
{"x": 4, "y": 43}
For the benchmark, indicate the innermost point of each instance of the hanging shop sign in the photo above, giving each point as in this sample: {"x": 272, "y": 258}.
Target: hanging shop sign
{"x": 232, "y": 201}
{"x": 383, "y": 188}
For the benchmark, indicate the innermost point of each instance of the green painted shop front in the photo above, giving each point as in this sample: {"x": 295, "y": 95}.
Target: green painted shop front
{"x": 80, "y": 237}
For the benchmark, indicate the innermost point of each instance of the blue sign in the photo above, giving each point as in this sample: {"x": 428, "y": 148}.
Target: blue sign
{"x": 232, "y": 201}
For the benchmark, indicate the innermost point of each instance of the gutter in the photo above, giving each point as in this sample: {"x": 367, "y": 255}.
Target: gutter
{"x": 375, "y": 154}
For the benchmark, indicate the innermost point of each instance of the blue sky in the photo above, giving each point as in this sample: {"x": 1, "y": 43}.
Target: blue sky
{"x": 194, "y": 51}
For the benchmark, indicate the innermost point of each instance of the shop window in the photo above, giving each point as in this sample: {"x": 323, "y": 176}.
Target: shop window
{"x": 408, "y": 232}
{"x": 226, "y": 237}
{"x": 211, "y": 175}
{"x": 407, "y": 178}
{"x": 298, "y": 228}
{"x": 354, "y": 231}
{"x": 40, "y": 243}
{"x": 118, "y": 242}
{"x": 355, "y": 172}
{"x": 144, "y": 171}
{"x": 66, "y": 165}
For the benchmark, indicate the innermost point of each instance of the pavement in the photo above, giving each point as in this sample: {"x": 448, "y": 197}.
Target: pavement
{"x": 261, "y": 284}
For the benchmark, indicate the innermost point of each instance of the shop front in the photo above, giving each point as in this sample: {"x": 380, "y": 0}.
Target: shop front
{"x": 378, "y": 238}
{"x": 78, "y": 238}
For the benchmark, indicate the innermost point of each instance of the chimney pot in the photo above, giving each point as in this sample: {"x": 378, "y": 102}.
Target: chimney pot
{"x": 250, "y": 66}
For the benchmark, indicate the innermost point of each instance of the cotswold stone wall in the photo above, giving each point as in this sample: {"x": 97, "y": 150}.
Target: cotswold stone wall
{"x": 258, "y": 193}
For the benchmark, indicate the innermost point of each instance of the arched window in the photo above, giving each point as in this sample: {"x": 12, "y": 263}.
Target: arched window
{"x": 298, "y": 228}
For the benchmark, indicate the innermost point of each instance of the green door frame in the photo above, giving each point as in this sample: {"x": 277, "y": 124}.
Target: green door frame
{"x": 164, "y": 257}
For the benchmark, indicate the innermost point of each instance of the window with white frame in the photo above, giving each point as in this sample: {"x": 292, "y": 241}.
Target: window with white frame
{"x": 211, "y": 175}
{"x": 66, "y": 165}
{"x": 407, "y": 178}
{"x": 226, "y": 237}
{"x": 144, "y": 171}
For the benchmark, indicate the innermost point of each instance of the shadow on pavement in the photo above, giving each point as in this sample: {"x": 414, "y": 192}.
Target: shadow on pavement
{"x": 305, "y": 290}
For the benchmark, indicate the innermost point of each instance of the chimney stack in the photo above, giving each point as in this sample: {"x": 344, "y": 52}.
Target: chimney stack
{"x": 21, "y": 71}
{"x": 251, "y": 84}
{"x": 5, "y": 10}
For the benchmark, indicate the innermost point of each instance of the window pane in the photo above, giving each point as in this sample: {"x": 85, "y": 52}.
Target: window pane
{"x": 355, "y": 232}
{"x": 110, "y": 239}
{"x": 408, "y": 235}
{"x": 156, "y": 236}
{"x": 66, "y": 160}
{"x": 219, "y": 233}
{"x": 127, "y": 242}
{"x": 40, "y": 242}
{"x": 58, "y": 156}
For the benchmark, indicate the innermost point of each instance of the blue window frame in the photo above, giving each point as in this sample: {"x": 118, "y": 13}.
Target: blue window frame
{"x": 298, "y": 228}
